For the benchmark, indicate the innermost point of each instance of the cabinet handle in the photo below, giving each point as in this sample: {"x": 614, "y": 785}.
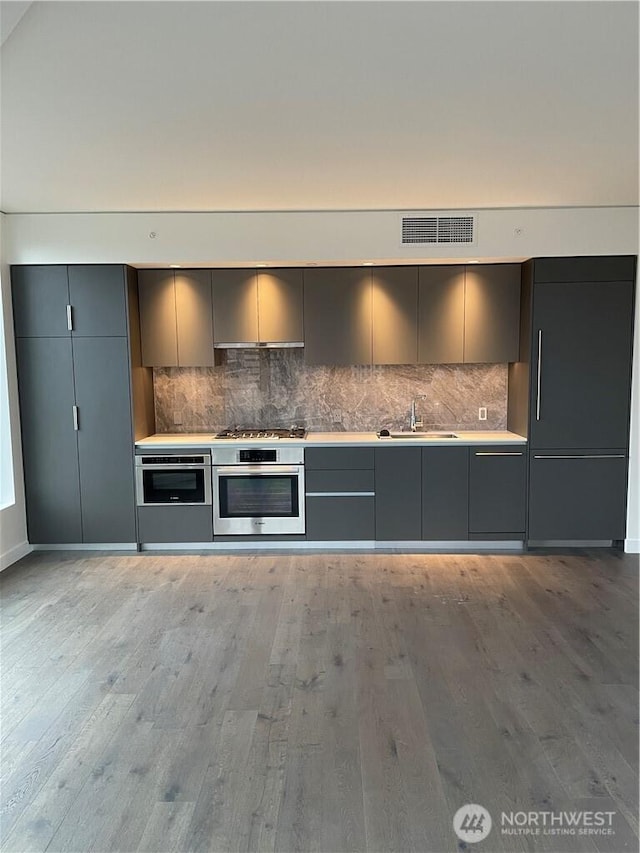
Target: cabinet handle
{"x": 539, "y": 374}
{"x": 340, "y": 494}
{"x": 69, "y": 318}
{"x": 76, "y": 423}
{"x": 585, "y": 456}
{"x": 492, "y": 453}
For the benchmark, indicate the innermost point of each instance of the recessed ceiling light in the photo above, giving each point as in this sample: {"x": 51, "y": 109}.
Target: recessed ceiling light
{"x": 473, "y": 262}
{"x": 261, "y": 265}
{"x": 368, "y": 264}
{"x": 175, "y": 266}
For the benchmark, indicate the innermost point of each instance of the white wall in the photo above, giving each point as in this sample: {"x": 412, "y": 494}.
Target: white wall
{"x": 209, "y": 239}
{"x": 13, "y": 522}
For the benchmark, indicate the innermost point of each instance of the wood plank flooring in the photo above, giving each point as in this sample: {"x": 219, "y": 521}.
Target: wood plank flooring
{"x": 315, "y": 702}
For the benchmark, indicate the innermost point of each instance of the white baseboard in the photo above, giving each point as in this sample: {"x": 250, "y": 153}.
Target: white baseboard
{"x": 14, "y": 554}
{"x": 632, "y": 546}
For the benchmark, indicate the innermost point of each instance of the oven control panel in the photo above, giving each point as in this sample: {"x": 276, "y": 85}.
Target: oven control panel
{"x": 258, "y": 455}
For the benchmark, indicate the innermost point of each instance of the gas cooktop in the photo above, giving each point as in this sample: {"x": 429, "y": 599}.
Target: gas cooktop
{"x": 242, "y": 433}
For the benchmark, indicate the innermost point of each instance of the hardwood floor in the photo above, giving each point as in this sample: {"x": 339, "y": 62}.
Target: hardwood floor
{"x": 315, "y": 702}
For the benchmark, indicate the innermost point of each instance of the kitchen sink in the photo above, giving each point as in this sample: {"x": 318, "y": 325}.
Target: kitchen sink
{"x": 420, "y": 435}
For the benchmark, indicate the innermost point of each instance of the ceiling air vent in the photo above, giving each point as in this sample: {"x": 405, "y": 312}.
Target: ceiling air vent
{"x": 437, "y": 229}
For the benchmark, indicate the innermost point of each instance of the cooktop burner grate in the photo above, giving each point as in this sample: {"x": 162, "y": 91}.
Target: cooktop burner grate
{"x": 242, "y": 433}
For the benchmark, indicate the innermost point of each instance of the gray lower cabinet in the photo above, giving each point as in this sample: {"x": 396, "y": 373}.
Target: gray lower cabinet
{"x": 445, "y": 493}
{"x": 398, "y": 493}
{"x": 340, "y": 494}
{"x": 175, "y": 524}
{"x": 49, "y": 443}
{"x": 101, "y": 368}
{"x": 497, "y": 492}
{"x": 577, "y": 495}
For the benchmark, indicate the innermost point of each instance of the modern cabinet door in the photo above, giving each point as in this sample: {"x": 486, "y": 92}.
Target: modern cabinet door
{"x": 577, "y": 496}
{"x": 581, "y": 364}
{"x": 105, "y": 439}
{"x": 337, "y": 316}
{"x": 445, "y": 493}
{"x": 235, "y": 306}
{"x": 97, "y": 297}
{"x": 492, "y": 313}
{"x": 194, "y": 322}
{"x": 395, "y": 315}
{"x": 340, "y": 493}
{"x": 441, "y": 315}
{"x": 176, "y": 318}
{"x": 158, "y": 330}
{"x": 41, "y": 301}
{"x": 49, "y": 441}
{"x": 280, "y": 306}
{"x": 398, "y": 493}
{"x": 497, "y": 492}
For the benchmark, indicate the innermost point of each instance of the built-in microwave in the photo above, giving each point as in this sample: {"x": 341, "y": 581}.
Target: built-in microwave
{"x": 173, "y": 479}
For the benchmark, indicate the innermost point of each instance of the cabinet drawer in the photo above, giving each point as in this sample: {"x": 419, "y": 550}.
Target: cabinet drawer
{"x": 577, "y": 496}
{"x": 340, "y": 517}
{"x": 340, "y": 481}
{"x": 175, "y": 524}
{"x": 336, "y": 458}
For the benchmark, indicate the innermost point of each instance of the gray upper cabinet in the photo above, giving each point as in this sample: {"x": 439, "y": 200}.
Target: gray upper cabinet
{"x": 338, "y": 316}
{"x": 176, "y": 324}
{"x": 395, "y": 315}
{"x": 492, "y": 313}
{"x": 158, "y": 328}
{"x": 97, "y": 300}
{"x": 280, "y": 306}
{"x": 40, "y": 300}
{"x": 235, "y": 306}
{"x": 79, "y": 300}
{"x": 194, "y": 321}
{"x": 441, "y": 314}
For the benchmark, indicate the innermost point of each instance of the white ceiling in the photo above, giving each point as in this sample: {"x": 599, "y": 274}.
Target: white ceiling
{"x": 122, "y": 106}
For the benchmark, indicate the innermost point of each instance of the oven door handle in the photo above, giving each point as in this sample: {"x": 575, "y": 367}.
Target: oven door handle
{"x": 262, "y": 470}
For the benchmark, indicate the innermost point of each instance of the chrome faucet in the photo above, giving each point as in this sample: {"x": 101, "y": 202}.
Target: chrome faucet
{"x": 413, "y": 421}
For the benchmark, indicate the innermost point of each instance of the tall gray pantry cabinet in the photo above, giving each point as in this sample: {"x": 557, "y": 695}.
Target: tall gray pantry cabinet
{"x": 580, "y": 396}
{"x": 74, "y": 380}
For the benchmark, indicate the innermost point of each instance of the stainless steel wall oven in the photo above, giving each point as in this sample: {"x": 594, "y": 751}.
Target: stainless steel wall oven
{"x": 258, "y": 490}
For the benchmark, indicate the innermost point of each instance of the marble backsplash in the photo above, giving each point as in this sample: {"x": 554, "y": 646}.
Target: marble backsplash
{"x": 276, "y": 388}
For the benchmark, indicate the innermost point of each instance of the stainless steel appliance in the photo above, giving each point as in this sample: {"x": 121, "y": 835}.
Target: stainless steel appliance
{"x": 258, "y": 490}
{"x": 263, "y": 434}
{"x": 173, "y": 479}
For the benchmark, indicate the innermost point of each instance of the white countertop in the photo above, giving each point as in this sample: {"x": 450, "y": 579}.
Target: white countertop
{"x": 330, "y": 439}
